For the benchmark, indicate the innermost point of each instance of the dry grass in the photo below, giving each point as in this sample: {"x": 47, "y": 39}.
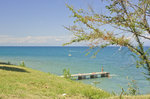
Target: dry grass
{"x": 132, "y": 97}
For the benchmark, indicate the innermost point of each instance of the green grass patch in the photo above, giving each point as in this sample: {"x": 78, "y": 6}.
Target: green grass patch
{"x": 18, "y": 82}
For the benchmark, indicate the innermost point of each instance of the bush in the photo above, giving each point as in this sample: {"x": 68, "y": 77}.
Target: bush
{"x": 8, "y": 63}
{"x": 23, "y": 64}
{"x": 133, "y": 88}
{"x": 67, "y": 74}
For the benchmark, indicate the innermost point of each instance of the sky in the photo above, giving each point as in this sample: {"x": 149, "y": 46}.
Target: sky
{"x": 37, "y": 22}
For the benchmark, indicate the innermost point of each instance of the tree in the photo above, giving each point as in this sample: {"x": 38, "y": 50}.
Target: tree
{"x": 129, "y": 18}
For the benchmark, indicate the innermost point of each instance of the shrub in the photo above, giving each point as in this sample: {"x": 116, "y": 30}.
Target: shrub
{"x": 133, "y": 88}
{"x": 67, "y": 74}
{"x": 22, "y": 64}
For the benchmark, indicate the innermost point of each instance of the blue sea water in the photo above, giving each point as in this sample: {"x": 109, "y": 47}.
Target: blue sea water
{"x": 118, "y": 62}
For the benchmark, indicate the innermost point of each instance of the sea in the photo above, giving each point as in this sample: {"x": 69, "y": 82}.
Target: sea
{"x": 118, "y": 61}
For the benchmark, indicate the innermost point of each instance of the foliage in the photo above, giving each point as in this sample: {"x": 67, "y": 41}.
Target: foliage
{"x": 130, "y": 20}
{"x": 9, "y": 63}
{"x": 22, "y": 64}
{"x": 133, "y": 88}
{"x": 67, "y": 73}
{"x": 113, "y": 93}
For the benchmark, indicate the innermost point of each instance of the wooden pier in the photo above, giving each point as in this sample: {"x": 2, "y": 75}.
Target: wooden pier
{"x": 90, "y": 75}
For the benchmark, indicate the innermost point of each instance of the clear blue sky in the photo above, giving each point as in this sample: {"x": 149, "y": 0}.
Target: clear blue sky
{"x": 37, "y": 22}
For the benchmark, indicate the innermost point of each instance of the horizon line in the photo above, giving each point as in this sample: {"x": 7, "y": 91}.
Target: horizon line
{"x": 51, "y": 46}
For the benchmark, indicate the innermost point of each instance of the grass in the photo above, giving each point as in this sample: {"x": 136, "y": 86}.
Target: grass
{"x": 18, "y": 82}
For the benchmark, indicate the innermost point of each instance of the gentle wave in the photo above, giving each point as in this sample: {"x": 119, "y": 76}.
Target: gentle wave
{"x": 112, "y": 75}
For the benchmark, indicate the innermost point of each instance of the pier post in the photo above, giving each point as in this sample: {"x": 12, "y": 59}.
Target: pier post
{"x": 107, "y": 74}
{"x": 91, "y": 76}
{"x": 79, "y": 77}
{"x": 103, "y": 75}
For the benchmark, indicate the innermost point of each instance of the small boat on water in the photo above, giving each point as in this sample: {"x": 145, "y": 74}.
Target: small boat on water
{"x": 69, "y": 55}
